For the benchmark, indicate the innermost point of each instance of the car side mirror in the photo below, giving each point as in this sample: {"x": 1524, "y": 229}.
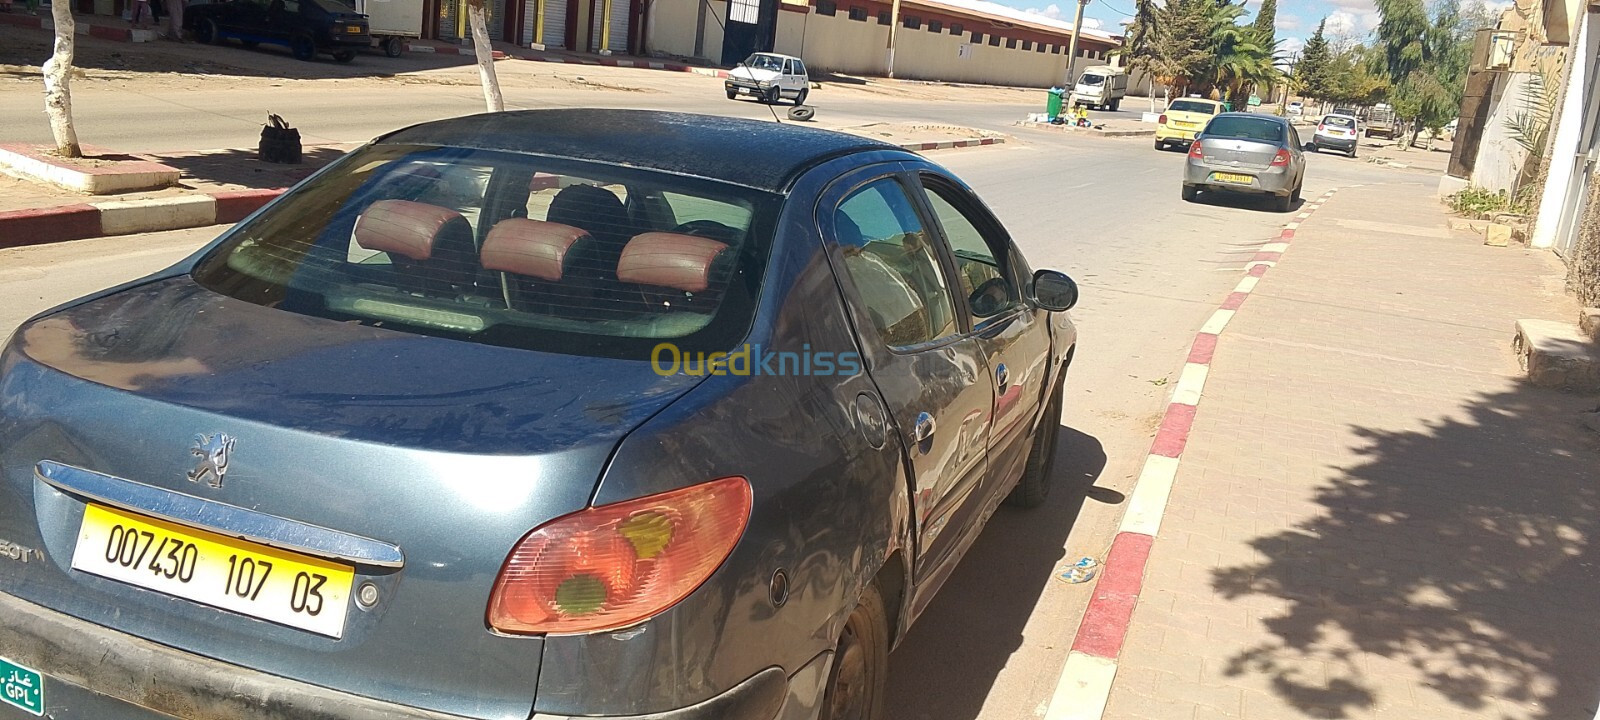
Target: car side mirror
{"x": 1054, "y": 291}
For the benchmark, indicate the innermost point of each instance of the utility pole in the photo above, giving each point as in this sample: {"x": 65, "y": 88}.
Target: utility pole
{"x": 894, "y": 24}
{"x": 1072, "y": 47}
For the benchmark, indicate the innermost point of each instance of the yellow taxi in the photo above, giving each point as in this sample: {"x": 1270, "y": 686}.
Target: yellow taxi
{"x": 1184, "y": 117}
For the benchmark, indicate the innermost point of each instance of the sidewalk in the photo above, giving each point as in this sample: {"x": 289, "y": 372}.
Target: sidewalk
{"x": 1374, "y": 517}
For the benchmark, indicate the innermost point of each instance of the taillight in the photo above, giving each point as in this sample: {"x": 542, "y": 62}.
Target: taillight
{"x": 1320, "y": 127}
{"x": 1195, "y": 151}
{"x": 1162, "y": 120}
{"x": 1282, "y": 158}
{"x": 615, "y": 565}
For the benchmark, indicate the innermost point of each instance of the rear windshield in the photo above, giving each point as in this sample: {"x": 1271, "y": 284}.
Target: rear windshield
{"x": 1338, "y": 122}
{"x": 1192, "y": 106}
{"x": 1247, "y": 128}
{"x": 507, "y": 249}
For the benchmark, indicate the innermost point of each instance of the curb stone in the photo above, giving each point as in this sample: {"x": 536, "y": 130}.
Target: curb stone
{"x": 1085, "y": 684}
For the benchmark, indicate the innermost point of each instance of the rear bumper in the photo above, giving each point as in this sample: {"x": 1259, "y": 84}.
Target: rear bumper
{"x": 95, "y": 673}
{"x": 1323, "y": 141}
{"x": 1269, "y": 181}
{"x": 1166, "y": 134}
{"x": 346, "y": 42}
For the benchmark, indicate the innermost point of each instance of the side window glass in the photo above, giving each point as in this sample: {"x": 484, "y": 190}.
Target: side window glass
{"x": 799, "y": 67}
{"x": 981, "y": 277}
{"x": 893, "y": 266}
{"x": 788, "y": 67}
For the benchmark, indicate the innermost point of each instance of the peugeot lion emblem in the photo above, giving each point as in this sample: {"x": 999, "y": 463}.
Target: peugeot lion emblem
{"x": 213, "y": 451}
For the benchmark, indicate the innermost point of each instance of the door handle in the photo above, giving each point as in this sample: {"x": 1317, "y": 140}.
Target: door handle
{"x": 1002, "y": 376}
{"x": 923, "y": 431}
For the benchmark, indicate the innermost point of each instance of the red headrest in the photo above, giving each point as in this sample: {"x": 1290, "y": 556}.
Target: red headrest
{"x": 534, "y": 248}
{"x": 673, "y": 260}
{"x": 402, "y": 227}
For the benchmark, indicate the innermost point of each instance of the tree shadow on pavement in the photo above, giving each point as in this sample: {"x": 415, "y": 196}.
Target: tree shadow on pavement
{"x": 240, "y": 167}
{"x": 1452, "y": 561}
{"x": 948, "y": 663}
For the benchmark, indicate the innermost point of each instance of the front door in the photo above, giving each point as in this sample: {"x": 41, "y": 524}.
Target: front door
{"x": 1012, "y": 336}
{"x": 932, "y": 375}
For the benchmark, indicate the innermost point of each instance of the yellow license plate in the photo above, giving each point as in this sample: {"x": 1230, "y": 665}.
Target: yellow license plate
{"x": 1232, "y": 178}
{"x": 223, "y": 572}
{"x": 353, "y": 29}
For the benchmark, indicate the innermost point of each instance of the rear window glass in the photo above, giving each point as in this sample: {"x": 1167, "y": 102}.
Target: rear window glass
{"x": 1192, "y": 106}
{"x": 508, "y": 249}
{"x": 1247, "y": 128}
{"x": 1338, "y": 122}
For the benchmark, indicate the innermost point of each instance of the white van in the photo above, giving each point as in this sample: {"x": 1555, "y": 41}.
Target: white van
{"x": 1101, "y": 87}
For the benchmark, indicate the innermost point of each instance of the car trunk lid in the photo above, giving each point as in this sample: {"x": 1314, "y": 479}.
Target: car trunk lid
{"x": 1236, "y": 152}
{"x": 446, "y": 451}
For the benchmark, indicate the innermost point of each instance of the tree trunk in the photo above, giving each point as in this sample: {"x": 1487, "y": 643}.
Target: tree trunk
{"x": 485, "y": 53}
{"x": 57, "y": 76}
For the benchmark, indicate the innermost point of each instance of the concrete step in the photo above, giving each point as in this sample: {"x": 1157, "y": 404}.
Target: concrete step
{"x": 1558, "y": 355}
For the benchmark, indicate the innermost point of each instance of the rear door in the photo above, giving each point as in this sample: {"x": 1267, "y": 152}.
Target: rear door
{"x": 932, "y": 374}
{"x": 1013, "y": 337}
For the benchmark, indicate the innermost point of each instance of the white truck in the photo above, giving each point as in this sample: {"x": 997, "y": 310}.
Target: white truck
{"x": 392, "y": 22}
{"x": 1101, "y": 87}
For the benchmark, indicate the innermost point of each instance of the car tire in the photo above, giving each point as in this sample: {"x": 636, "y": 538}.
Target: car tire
{"x": 800, "y": 99}
{"x": 802, "y": 113}
{"x": 733, "y": 94}
{"x": 1115, "y": 104}
{"x": 302, "y": 47}
{"x": 343, "y": 56}
{"x": 1034, "y": 487}
{"x": 772, "y": 96}
{"x": 1295, "y": 196}
{"x": 1282, "y": 203}
{"x": 1161, "y": 145}
{"x": 1190, "y": 193}
{"x": 394, "y": 47}
{"x": 857, "y": 685}
{"x": 206, "y": 33}
{"x": 1352, "y": 152}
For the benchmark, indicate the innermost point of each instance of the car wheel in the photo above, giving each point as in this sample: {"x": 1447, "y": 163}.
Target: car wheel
{"x": 1352, "y": 152}
{"x": 1115, "y": 104}
{"x": 801, "y": 98}
{"x": 1295, "y": 197}
{"x": 344, "y": 56}
{"x": 1190, "y": 193}
{"x": 733, "y": 94}
{"x": 1282, "y": 203}
{"x": 772, "y": 96}
{"x": 1034, "y": 487}
{"x": 856, "y": 682}
{"x": 1161, "y": 145}
{"x": 302, "y": 47}
{"x": 802, "y": 113}
{"x": 393, "y": 47}
{"x": 206, "y": 33}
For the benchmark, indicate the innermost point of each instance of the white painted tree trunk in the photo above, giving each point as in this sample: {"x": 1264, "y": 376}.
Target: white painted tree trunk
{"x": 57, "y": 76}
{"x": 485, "y": 53}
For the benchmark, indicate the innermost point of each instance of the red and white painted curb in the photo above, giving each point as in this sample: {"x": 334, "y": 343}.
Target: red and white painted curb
{"x": 1085, "y": 684}
{"x": 81, "y": 221}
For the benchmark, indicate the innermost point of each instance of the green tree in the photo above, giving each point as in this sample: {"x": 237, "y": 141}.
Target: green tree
{"x": 1183, "y": 54}
{"x": 1265, "y": 23}
{"x": 1141, "y": 47}
{"x": 1316, "y": 58}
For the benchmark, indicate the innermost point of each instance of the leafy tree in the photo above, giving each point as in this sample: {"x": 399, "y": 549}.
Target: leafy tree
{"x": 1313, "y": 70}
{"x": 1141, "y": 46}
{"x": 1265, "y": 23}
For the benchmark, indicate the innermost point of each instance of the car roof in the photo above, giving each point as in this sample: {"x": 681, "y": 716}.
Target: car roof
{"x": 760, "y": 154}
{"x": 1340, "y": 115}
{"x": 1258, "y": 116}
{"x": 776, "y": 55}
{"x": 1195, "y": 99}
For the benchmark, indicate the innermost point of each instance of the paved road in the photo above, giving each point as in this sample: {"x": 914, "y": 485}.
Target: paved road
{"x": 1152, "y": 268}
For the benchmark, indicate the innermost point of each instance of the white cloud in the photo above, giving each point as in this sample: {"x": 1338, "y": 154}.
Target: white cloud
{"x": 1052, "y": 11}
{"x": 1055, "y": 12}
{"x": 1291, "y": 46}
{"x": 1352, "y": 24}
{"x": 1286, "y": 22}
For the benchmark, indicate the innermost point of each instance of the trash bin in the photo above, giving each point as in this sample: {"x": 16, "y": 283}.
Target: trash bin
{"x": 1052, "y": 106}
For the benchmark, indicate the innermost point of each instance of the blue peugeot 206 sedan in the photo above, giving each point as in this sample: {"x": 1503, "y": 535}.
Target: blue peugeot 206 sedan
{"x": 538, "y": 414}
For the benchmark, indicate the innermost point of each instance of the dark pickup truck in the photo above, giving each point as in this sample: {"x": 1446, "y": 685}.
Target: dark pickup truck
{"x": 306, "y": 27}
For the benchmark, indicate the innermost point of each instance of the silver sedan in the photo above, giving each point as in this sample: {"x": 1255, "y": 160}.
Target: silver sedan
{"x": 1246, "y": 153}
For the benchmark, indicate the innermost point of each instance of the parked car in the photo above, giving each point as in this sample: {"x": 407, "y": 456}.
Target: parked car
{"x": 1249, "y": 154}
{"x": 1101, "y": 87}
{"x": 555, "y": 413}
{"x": 1183, "y": 119}
{"x": 1382, "y": 121}
{"x": 769, "y": 77}
{"x": 1339, "y": 132}
{"x": 306, "y": 27}
{"x": 1296, "y": 108}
